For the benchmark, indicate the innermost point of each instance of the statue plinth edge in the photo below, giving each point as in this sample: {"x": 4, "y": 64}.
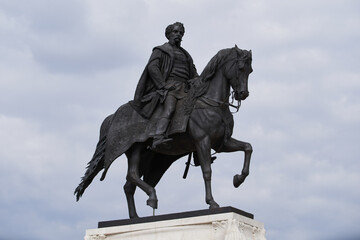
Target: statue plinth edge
{"x": 173, "y": 216}
{"x": 225, "y": 223}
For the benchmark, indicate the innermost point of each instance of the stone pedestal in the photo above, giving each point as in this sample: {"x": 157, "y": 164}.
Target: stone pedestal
{"x": 217, "y": 224}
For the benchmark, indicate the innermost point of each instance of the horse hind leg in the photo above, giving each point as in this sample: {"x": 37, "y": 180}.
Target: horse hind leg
{"x": 129, "y": 189}
{"x": 233, "y": 145}
{"x": 136, "y": 154}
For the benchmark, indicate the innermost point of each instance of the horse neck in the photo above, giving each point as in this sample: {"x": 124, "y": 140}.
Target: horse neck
{"x": 219, "y": 88}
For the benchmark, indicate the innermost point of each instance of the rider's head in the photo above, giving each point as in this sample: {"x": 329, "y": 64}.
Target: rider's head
{"x": 170, "y": 28}
{"x": 175, "y": 32}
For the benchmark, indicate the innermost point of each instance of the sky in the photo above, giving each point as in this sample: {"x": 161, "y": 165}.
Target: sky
{"x": 66, "y": 65}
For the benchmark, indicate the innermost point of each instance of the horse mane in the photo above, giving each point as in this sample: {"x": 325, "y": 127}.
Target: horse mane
{"x": 210, "y": 69}
{"x": 199, "y": 85}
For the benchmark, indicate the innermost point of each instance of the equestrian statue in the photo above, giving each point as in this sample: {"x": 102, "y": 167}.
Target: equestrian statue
{"x": 175, "y": 113}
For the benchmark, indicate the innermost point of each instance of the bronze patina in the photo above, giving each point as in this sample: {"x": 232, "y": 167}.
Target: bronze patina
{"x": 175, "y": 113}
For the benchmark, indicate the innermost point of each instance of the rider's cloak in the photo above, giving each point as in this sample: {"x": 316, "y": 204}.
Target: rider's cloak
{"x": 150, "y": 89}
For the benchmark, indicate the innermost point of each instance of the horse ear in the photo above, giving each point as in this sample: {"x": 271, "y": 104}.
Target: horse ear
{"x": 236, "y": 46}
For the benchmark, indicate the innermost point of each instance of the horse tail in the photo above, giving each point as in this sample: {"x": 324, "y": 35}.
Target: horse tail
{"x": 96, "y": 164}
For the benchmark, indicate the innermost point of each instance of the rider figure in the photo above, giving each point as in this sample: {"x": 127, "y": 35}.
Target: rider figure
{"x": 164, "y": 80}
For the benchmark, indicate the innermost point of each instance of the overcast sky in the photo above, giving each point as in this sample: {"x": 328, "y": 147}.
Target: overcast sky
{"x": 66, "y": 65}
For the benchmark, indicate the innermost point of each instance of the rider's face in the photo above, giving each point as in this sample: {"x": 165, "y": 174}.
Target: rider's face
{"x": 176, "y": 35}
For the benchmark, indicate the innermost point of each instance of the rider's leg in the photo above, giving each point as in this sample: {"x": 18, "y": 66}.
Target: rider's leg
{"x": 163, "y": 122}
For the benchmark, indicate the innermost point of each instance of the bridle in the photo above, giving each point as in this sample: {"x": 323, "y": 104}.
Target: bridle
{"x": 237, "y": 107}
{"x": 217, "y": 103}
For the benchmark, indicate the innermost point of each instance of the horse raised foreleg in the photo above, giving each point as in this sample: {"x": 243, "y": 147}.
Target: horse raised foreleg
{"x": 233, "y": 145}
{"x": 203, "y": 148}
{"x": 137, "y": 153}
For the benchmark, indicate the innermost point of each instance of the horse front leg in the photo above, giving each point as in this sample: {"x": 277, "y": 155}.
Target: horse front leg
{"x": 233, "y": 145}
{"x": 203, "y": 149}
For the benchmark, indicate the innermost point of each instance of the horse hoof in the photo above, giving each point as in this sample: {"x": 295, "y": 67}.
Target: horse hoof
{"x": 134, "y": 216}
{"x": 238, "y": 180}
{"x": 213, "y": 205}
{"x": 152, "y": 203}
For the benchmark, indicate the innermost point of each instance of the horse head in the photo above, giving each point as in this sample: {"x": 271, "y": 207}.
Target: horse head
{"x": 237, "y": 71}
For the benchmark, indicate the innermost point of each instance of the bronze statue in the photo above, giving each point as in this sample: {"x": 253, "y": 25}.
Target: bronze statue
{"x": 164, "y": 81}
{"x": 200, "y": 121}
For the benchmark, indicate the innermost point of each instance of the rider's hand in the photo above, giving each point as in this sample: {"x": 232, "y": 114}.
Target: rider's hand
{"x": 195, "y": 81}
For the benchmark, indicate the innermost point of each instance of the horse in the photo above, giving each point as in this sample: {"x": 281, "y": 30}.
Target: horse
{"x": 209, "y": 127}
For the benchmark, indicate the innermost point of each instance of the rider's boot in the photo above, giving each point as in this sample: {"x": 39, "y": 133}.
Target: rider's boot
{"x": 160, "y": 137}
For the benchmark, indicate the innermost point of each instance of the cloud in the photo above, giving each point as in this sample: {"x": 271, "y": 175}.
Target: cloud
{"x": 66, "y": 65}
{"x": 64, "y": 37}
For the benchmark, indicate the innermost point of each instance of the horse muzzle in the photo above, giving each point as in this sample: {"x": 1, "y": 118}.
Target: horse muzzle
{"x": 241, "y": 95}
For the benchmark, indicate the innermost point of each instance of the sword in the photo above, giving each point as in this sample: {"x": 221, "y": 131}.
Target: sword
{"x": 187, "y": 166}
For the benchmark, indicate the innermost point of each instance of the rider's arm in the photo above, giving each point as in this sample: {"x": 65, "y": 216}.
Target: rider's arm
{"x": 155, "y": 73}
{"x": 194, "y": 71}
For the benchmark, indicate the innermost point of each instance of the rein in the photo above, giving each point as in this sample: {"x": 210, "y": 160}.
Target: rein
{"x": 216, "y": 103}
{"x": 237, "y": 107}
